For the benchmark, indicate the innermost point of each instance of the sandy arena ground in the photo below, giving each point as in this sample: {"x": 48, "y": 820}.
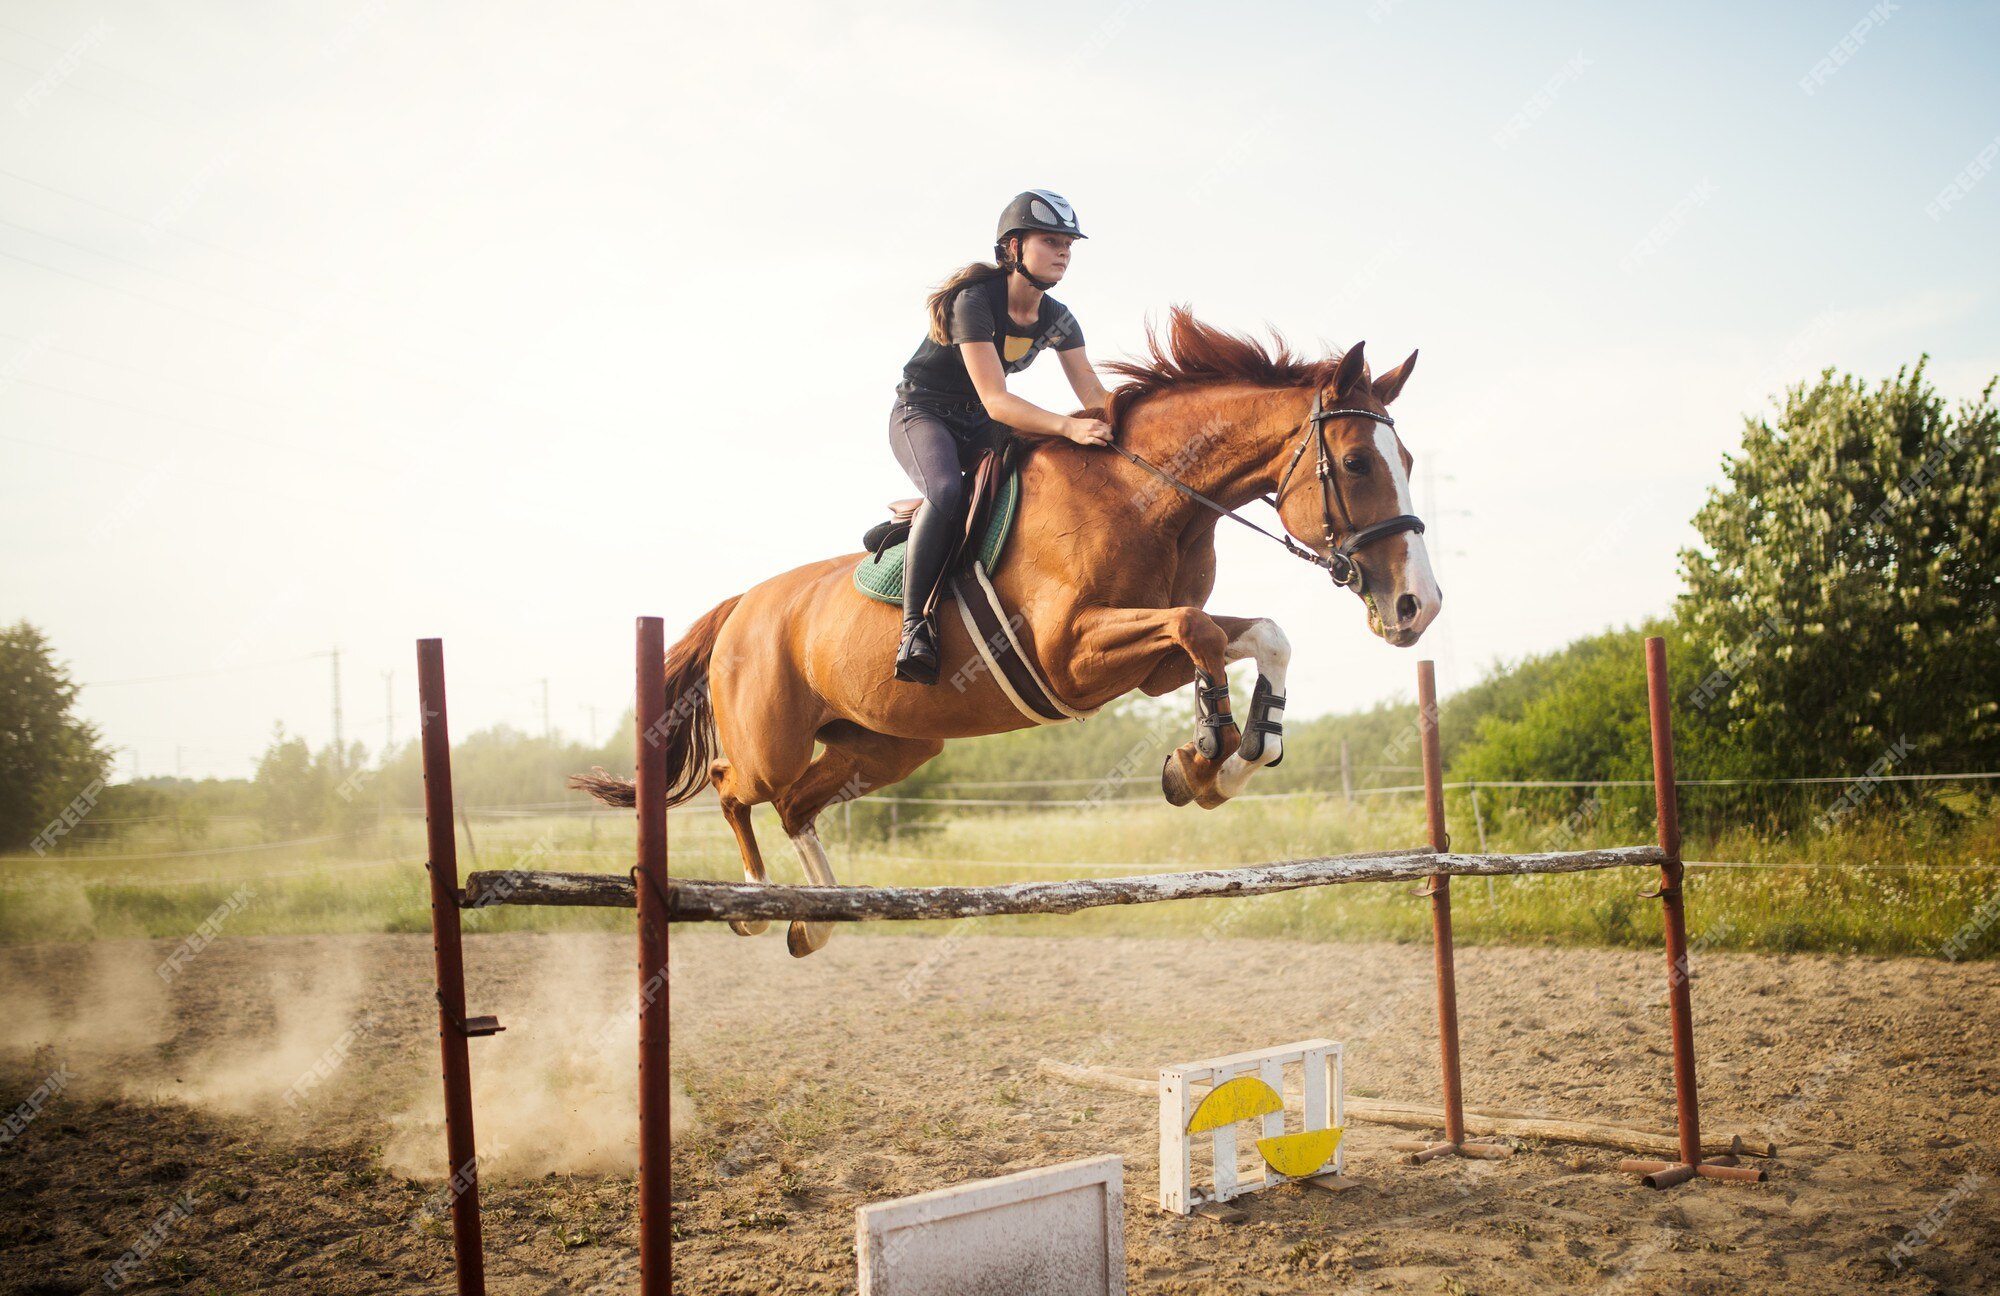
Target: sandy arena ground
{"x": 265, "y": 1118}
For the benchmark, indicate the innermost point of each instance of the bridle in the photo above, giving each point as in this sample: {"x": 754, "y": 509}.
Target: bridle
{"x": 1335, "y": 517}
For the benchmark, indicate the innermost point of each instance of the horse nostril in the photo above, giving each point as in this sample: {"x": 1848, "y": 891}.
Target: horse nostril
{"x": 1406, "y": 608}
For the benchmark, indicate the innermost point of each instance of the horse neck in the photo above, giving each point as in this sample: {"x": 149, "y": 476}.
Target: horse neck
{"x": 1225, "y": 442}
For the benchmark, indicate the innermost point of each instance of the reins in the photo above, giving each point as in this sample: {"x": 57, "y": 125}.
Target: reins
{"x": 1339, "y": 561}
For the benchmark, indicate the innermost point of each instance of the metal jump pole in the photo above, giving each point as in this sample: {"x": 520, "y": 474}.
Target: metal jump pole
{"x": 1438, "y": 888}
{"x": 1687, "y": 1102}
{"x": 469, "y": 1259}
{"x": 656, "y": 1225}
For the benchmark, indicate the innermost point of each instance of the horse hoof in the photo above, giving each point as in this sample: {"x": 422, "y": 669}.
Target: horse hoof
{"x": 803, "y": 938}
{"x": 757, "y": 928}
{"x": 1173, "y": 781}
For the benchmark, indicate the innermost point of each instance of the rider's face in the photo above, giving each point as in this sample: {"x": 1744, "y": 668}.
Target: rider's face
{"x": 1045, "y": 255}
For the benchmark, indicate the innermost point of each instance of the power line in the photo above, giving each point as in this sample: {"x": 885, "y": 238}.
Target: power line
{"x": 216, "y": 670}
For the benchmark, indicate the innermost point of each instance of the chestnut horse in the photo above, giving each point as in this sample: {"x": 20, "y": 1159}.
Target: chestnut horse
{"x": 1105, "y": 575}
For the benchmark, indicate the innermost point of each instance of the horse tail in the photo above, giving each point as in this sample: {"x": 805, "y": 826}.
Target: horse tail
{"x": 688, "y": 731}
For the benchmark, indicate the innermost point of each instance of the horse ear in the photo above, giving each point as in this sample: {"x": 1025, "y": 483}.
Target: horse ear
{"x": 1390, "y": 385}
{"x": 1353, "y": 369}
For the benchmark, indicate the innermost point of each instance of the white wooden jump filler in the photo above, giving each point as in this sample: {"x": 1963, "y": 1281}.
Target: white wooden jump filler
{"x": 1241, "y": 1087}
{"x": 660, "y": 900}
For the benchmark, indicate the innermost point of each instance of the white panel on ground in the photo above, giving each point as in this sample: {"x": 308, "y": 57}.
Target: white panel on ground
{"x": 1056, "y": 1231}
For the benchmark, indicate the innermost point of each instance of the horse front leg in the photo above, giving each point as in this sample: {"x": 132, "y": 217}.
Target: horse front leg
{"x": 1179, "y": 644}
{"x": 1258, "y": 638}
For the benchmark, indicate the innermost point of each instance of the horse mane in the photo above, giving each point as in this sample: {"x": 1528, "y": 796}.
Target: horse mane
{"x": 1198, "y": 354}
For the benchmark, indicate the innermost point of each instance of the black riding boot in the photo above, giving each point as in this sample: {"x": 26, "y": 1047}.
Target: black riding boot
{"x": 923, "y": 558}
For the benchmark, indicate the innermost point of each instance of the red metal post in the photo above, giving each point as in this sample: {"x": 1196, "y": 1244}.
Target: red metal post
{"x": 1667, "y": 802}
{"x": 656, "y": 1227}
{"x": 1440, "y": 890}
{"x": 1680, "y": 998}
{"x": 463, "y": 1184}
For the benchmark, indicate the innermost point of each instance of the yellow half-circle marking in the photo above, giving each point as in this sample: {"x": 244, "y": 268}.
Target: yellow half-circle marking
{"x": 1235, "y": 1100}
{"x": 1298, "y": 1155}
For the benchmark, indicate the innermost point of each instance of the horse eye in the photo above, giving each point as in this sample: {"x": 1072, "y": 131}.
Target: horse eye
{"x": 1356, "y": 465}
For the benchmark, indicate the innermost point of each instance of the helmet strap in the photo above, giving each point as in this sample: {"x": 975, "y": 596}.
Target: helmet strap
{"x": 1019, "y": 264}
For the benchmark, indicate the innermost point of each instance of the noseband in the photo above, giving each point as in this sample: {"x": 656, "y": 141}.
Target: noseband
{"x": 1339, "y": 559}
{"x": 1339, "y": 562}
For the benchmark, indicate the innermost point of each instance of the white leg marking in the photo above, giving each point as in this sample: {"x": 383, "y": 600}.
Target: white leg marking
{"x": 1264, "y": 641}
{"x": 811, "y": 936}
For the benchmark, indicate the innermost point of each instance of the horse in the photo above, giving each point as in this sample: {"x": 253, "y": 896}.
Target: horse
{"x": 1107, "y": 572}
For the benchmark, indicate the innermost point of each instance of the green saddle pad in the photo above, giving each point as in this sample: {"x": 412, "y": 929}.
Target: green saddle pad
{"x": 882, "y": 579}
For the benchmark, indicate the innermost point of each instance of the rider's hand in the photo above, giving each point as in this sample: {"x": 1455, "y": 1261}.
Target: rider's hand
{"x": 1088, "y": 431}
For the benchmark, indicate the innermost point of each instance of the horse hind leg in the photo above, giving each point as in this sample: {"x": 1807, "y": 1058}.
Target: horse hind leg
{"x": 856, "y": 761}
{"x": 737, "y": 813}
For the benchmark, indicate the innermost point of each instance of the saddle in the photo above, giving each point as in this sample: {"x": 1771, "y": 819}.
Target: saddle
{"x": 991, "y": 478}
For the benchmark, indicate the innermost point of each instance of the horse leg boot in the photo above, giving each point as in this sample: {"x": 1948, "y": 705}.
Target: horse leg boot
{"x": 1263, "y": 736}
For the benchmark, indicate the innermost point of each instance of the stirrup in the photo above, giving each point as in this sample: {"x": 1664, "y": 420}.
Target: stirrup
{"x": 917, "y": 654}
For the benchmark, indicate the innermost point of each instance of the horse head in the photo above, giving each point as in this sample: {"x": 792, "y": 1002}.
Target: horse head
{"x": 1351, "y": 503}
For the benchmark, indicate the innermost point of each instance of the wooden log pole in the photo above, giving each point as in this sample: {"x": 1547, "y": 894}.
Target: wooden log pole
{"x": 701, "y": 900}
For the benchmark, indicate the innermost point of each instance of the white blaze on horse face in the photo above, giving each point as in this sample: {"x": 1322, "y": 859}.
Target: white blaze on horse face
{"x": 1267, "y": 643}
{"x": 1409, "y": 569}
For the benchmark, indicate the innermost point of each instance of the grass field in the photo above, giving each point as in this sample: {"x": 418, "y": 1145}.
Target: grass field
{"x": 1873, "y": 886}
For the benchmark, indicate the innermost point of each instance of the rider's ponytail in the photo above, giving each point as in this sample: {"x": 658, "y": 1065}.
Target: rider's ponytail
{"x": 965, "y": 276}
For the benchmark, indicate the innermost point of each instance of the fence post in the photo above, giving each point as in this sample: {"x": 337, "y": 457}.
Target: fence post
{"x": 1680, "y": 999}
{"x": 1438, "y": 888}
{"x": 656, "y": 1224}
{"x": 462, "y": 1183}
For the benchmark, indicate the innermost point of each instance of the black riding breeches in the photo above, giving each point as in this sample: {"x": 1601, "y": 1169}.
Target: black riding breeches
{"x": 936, "y": 446}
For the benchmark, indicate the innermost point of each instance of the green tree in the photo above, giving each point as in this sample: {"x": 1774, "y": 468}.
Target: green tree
{"x": 49, "y": 759}
{"x": 1847, "y": 593}
{"x": 294, "y": 790}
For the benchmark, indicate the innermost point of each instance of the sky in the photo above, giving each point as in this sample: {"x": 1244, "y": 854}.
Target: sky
{"x": 334, "y": 327}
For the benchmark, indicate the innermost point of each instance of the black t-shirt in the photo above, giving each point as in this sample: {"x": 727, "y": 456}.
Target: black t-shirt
{"x": 979, "y": 314}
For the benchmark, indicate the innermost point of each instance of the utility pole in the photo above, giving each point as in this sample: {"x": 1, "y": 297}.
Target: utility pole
{"x": 339, "y": 743}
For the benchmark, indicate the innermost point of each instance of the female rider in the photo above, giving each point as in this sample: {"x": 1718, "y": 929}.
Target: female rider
{"x": 986, "y": 321}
